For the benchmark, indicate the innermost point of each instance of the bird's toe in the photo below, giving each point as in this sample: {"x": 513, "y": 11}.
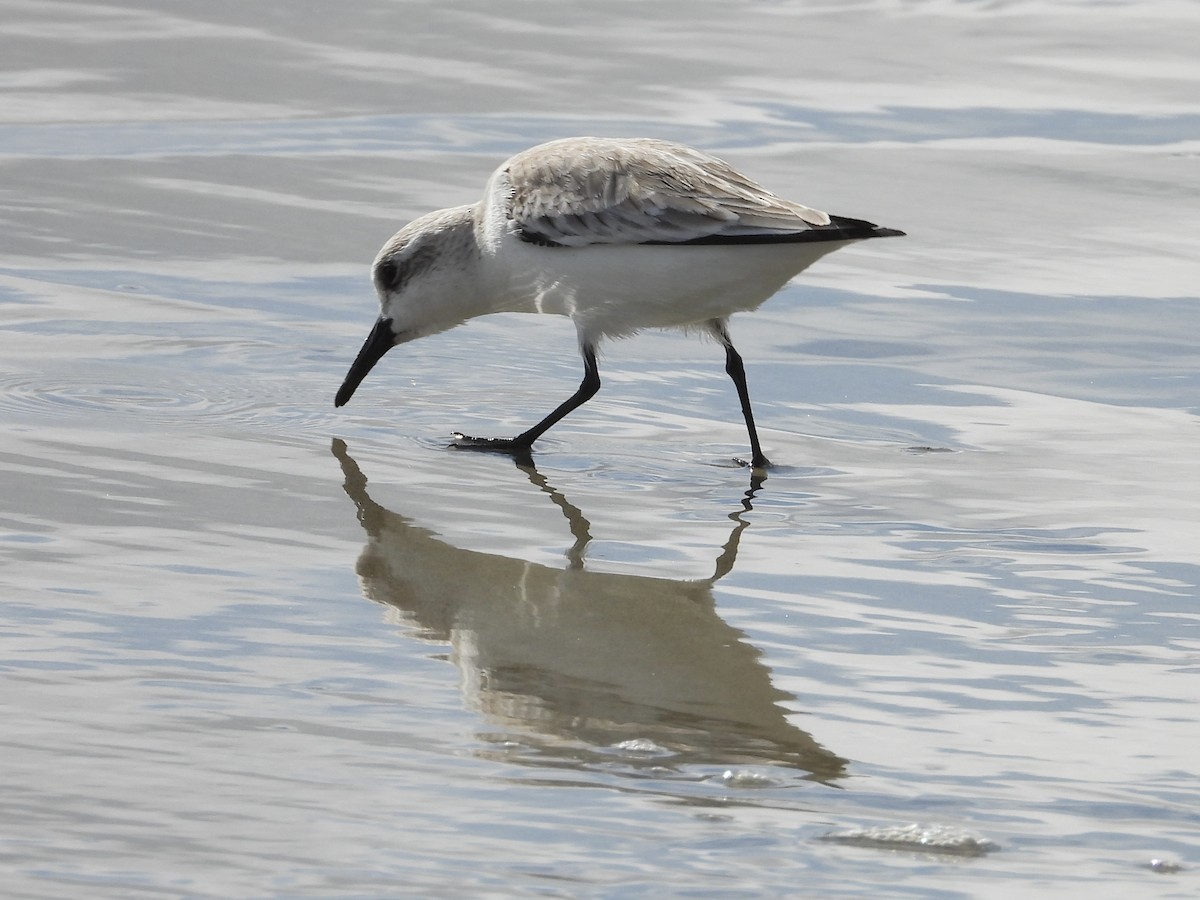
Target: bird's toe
{"x": 500, "y": 445}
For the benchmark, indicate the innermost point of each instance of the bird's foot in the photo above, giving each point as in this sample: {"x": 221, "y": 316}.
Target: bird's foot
{"x": 495, "y": 445}
{"x": 760, "y": 462}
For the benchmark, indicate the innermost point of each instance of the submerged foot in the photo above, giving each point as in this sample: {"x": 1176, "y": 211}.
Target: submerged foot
{"x": 496, "y": 445}
{"x": 759, "y": 462}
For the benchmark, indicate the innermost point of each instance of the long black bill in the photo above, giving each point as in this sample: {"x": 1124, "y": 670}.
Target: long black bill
{"x": 378, "y": 342}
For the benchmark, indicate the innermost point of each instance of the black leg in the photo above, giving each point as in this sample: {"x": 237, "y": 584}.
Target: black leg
{"x": 737, "y": 371}
{"x": 522, "y": 442}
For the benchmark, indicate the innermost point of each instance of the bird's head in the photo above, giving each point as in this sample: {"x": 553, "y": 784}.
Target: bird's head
{"x": 424, "y": 277}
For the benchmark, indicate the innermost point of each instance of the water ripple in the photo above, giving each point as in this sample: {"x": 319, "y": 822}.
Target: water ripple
{"x": 158, "y": 401}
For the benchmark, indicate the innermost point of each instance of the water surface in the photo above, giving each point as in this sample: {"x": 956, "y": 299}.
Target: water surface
{"x": 257, "y": 646}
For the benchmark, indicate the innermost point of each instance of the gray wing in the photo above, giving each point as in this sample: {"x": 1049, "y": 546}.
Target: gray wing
{"x": 582, "y": 191}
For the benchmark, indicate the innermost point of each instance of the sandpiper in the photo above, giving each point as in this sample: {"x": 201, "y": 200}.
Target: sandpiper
{"x": 617, "y": 234}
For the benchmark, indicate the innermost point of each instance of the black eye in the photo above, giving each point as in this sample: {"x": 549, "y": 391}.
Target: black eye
{"x": 387, "y": 275}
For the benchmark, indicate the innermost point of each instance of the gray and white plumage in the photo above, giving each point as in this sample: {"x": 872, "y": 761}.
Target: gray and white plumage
{"x": 584, "y": 191}
{"x": 618, "y": 235}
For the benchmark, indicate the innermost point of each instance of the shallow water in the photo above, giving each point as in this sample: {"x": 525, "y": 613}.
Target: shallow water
{"x": 257, "y": 646}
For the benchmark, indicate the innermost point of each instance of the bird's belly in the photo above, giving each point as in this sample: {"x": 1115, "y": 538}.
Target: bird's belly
{"x": 614, "y": 290}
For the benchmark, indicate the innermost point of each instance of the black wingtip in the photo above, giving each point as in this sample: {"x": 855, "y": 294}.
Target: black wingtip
{"x": 840, "y": 228}
{"x": 856, "y": 229}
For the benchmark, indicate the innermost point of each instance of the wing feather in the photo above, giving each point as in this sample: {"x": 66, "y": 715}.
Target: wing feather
{"x": 582, "y": 191}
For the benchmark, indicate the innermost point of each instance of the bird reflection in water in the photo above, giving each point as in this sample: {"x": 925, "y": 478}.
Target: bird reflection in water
{"x": 583, "y": 663}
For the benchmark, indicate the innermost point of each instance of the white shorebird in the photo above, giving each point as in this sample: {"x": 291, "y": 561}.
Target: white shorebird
{"x": 620, "y": 235}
